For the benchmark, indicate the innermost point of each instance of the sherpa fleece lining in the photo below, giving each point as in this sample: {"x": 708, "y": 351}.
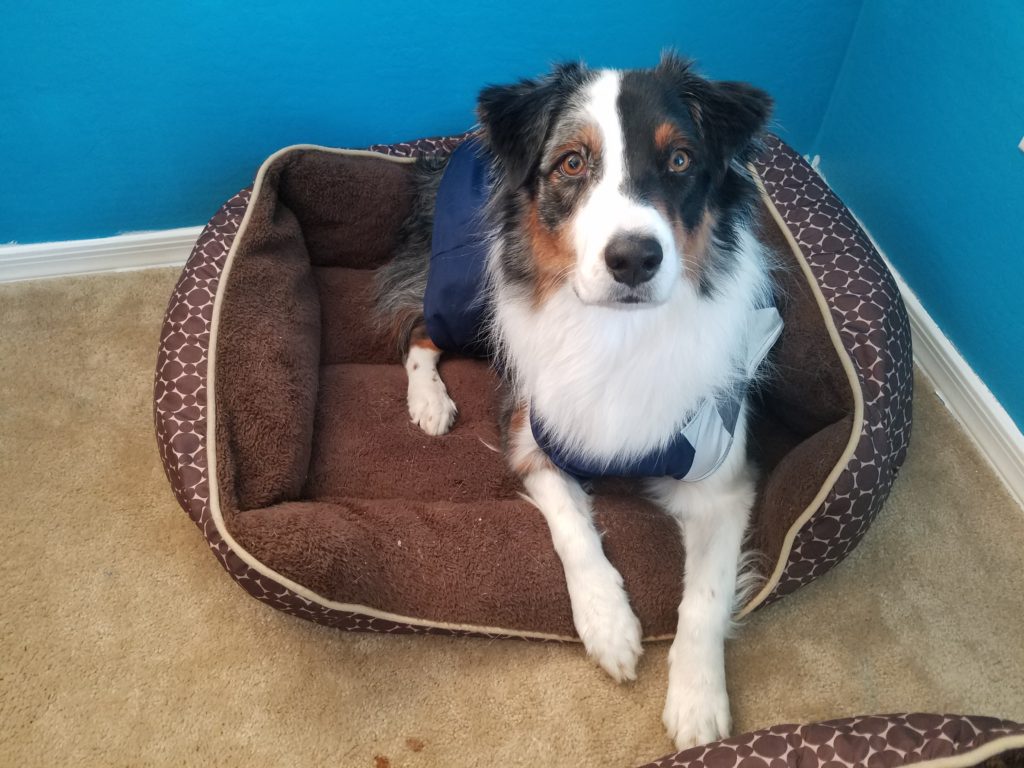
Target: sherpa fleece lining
{"x": 660, "y": 618}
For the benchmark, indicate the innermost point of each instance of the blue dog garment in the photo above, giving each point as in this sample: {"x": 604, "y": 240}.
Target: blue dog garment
{"x": 454, "y": 309}
{"x": 453, "y": 304}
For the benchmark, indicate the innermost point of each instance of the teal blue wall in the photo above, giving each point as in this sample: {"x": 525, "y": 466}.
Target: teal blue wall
{"x": 920, "y": 140}
{"x": 124, "y": 116}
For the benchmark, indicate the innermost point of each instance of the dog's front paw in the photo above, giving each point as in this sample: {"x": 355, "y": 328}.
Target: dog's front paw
{"x": 430, "y": 408}
{"x": 697, "y": 705}
{"x": 609, "y": 629}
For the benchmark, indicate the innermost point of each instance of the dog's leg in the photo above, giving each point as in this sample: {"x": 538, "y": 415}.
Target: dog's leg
{"x": 713, "y": 515}
{"x": 430, "y": 407}
{"x": 600, "y": 607}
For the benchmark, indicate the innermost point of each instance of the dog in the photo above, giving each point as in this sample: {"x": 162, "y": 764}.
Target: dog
{"x": 595, "y": 237}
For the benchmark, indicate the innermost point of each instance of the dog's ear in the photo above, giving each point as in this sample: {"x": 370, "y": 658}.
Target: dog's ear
{"x": 516, "y": 118}
{"x": 730, "y": 116}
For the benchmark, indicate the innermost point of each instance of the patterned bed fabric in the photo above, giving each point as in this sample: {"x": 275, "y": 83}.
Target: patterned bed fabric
{"x": 881, "y": 741}
{"x": 862, "y": 297}
{"x": 873, "y": 327}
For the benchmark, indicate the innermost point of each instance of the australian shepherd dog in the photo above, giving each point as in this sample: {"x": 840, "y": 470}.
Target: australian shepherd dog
{"x": 616, "y": 281}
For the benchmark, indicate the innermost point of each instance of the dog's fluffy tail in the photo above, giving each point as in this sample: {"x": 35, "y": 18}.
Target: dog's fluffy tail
{"x": 401, "y": 283}
{"x": 749, "y": 578}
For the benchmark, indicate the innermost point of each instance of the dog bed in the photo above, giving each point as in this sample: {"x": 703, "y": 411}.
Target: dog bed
{"x": 881, "y": 741}
{"x": 281, "y": 419}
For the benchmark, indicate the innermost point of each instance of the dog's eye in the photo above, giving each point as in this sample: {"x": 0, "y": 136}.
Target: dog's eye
{"x": 678, "y": 161}
{"x": 573, "y": 164}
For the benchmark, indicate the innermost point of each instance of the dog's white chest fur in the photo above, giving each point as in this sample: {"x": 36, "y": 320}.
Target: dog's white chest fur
{"x": 618, "y": 382}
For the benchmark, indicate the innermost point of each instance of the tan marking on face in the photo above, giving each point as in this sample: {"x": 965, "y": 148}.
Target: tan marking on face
{"x": 553, "y": 255}
{"x": 664, "y": 135}
{"x": 691, "y": 245}
{"x": 696, "y": 244}
{"x": 523, "y": 454}
{"x": 667, "y": 136}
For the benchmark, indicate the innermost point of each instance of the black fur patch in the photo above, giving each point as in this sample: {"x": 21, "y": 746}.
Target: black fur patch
{"x": 717, "y": 124}
{"x": 517, "y": 118}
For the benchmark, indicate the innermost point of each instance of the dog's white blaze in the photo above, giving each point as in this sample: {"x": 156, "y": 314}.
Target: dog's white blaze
{"x": 607, "y": 211}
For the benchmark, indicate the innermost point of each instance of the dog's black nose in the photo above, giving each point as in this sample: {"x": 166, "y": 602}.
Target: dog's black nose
{"x": 632, "y": 259}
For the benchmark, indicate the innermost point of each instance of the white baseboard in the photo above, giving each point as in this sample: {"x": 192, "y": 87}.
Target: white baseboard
{"x": 965, "y": 395}
{"x": 960, "y": 389}
{"x": 137, "y": 250}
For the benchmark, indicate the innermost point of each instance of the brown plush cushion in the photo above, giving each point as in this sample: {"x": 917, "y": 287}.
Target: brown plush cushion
{"x": 323, "y": 479}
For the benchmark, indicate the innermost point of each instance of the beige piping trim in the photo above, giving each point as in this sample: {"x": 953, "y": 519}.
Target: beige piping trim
{"x": 308, "y": 594}
{"x": 858, "y": 406}
{"x": 977, "y": 755}
{"x": 211, "y": 438}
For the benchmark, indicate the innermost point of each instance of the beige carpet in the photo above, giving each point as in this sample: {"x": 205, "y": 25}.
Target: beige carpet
{"x": 123, "y": 642}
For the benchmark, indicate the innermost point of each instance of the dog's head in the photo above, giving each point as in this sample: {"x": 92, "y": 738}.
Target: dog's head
{"x": 620, "y": 183}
